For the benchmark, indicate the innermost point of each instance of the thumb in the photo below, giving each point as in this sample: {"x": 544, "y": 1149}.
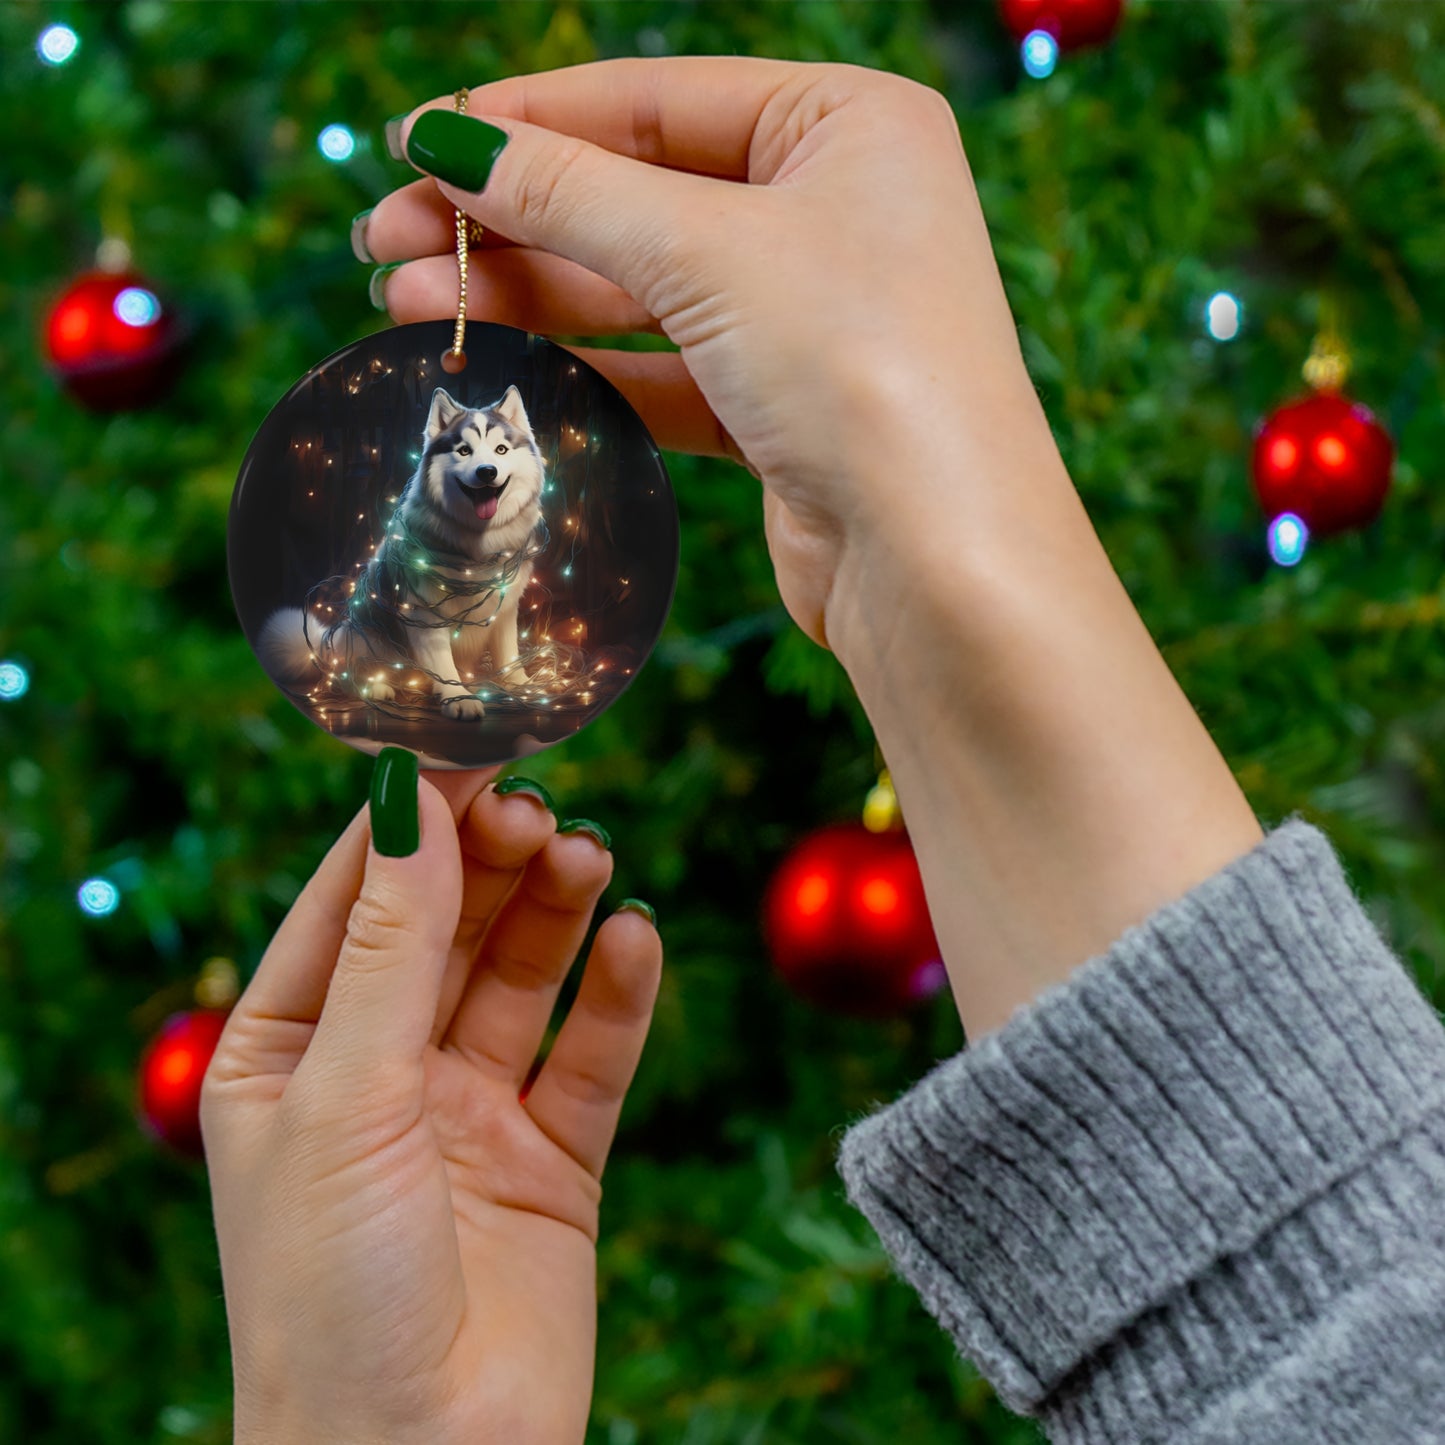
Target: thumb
{"x": 635, "y": 224}
{"x": 382, "y": 1000}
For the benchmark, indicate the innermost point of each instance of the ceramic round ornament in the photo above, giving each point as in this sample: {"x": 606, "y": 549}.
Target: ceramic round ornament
{"x": 470, "y": 561}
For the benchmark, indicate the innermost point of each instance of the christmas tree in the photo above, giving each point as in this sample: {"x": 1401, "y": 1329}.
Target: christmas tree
{"x": 1179, "y": 214}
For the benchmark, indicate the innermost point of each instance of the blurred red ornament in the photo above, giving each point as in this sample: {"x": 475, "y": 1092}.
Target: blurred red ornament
{"x": 171, "y": 1071}
{"x": 847, "y": 924}
{"x": 112, "y": 341}
{"x": 1073, "y": 23}
{"x": 1324, "y": 458}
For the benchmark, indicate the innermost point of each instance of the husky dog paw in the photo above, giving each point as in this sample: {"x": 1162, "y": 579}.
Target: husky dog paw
{"x": 463, "y": 707}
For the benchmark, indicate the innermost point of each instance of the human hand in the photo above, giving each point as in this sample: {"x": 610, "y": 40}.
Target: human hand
{"x": 407, "y": 1246}
{"x": 842, "y": 326}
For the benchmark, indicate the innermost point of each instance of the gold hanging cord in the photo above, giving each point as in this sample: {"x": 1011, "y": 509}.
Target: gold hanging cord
{"x": 469, "y": 233}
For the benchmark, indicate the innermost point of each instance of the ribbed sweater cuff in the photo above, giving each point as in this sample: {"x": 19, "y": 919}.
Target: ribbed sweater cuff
{"x": 1159, "y": 1155}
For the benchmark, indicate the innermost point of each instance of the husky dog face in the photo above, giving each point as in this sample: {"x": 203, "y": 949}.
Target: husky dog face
{"x": 481, "y": 468}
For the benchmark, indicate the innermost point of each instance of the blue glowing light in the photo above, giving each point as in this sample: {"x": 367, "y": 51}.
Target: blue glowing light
{"x": 57, "y": 44}
{"x": 14, "y": 681}
{"x": 336, "y": 143}
{"x": 136, "y": 306}
{"x": 98, "y": 897}
{"x": 1288, "y": 538}
{"x": 1040, "y": 53}
{"x": 1223, "y": 316}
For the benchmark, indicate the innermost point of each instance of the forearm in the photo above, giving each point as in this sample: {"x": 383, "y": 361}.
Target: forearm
{"x": 1057, "y": 784}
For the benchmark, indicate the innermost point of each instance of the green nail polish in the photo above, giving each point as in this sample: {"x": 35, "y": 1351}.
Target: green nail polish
{"x": 395, "y": 812}
{"x": 515, "y": 784}
{"x": 358, "y": 236}
{"x": 392, "y": 132}
{"x": 636, "y": 905}
{"x": 455, "y": 148}
{"x": 586, "y": 825}
{"x": 376, "y": 289}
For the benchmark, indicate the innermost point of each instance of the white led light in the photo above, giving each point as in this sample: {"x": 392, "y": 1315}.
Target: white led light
{"x": 1223, "y": 316}
{"x": 336, "y": 143}
{"x": 1040, "y": 53}
{"x": 136, "y": 306}
{"x": 98, "y": 897}
{"x": 1288, "y": 537}
{"x": 14, "y": 681}
{"x": 57, "y": 44}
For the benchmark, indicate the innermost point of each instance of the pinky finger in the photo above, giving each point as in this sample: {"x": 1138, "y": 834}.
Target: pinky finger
{"x": 577, "y": 1097}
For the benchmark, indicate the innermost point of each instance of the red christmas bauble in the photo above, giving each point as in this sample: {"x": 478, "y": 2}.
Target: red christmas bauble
{"x": 112, "y": 341}
{"x": 847, "y": 924}
{"x": 1324, "y": 458}
{"x": 171, "y": 1072}
{"x": 1073, "y": 23}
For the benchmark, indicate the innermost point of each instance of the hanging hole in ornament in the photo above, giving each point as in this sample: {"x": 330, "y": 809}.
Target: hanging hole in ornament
{"x": 453, "y": 361}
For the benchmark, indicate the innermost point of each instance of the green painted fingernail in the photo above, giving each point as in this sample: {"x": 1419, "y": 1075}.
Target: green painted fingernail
{"x": 586, "y": 825}
{"x": 395, "y": 812}
{"x": 377, "y": 288}
{"x": 526, "y": 785}
{"x": 636, "y": 905}
{"x": 392, "y": 131}
{"x": 455, "y": 148}
{"x": 358, "y": 236}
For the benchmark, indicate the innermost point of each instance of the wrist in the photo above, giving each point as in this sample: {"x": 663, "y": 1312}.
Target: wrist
{"x": 1056, "y": 782}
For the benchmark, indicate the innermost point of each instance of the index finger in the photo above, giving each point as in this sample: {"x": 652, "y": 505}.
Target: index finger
{"x": 696, "y": 113}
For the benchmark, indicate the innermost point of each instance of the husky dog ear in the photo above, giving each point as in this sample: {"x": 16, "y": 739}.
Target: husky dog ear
{"x": 444, "y": 411}
{"x": 510, "y": 409}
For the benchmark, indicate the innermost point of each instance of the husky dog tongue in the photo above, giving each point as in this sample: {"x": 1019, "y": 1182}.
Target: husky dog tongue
{"x": 486, "y": 499}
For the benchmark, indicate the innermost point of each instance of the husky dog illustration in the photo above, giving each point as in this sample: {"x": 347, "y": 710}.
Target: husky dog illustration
{"x": 444, "y": 586}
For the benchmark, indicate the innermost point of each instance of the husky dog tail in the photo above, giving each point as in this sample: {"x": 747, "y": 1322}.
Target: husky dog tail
{"x": 285, "y": 651}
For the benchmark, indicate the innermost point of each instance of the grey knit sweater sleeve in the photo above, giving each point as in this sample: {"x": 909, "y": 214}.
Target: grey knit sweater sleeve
{"x": 1196, "y": 1192}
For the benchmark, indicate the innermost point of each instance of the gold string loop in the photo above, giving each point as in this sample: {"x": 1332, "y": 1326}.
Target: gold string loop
{"x": 469, "y": 233}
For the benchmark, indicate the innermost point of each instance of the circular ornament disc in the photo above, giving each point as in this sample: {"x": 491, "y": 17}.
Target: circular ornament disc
{"x": 468, "y": 566}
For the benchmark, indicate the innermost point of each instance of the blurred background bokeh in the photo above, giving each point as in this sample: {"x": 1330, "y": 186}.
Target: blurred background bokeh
{"x": 1181, "y": 213}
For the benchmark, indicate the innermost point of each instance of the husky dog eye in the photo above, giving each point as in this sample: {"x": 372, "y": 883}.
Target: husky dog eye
{"x": 502, "y": 449}
{"x": 464, "y": 450}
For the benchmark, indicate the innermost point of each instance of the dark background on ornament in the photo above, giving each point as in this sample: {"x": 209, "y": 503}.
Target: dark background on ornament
{"x": 364, "y": 445}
